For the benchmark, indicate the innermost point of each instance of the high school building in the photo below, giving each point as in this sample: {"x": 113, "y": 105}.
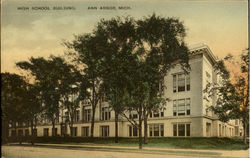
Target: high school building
{"x": 186, "y": 113}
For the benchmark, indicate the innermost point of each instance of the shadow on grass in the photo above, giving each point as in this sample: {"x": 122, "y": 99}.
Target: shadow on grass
{"x": 167, "y": 142}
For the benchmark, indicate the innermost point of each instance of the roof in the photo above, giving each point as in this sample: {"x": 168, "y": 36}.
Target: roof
{"x": 202, "y": 48}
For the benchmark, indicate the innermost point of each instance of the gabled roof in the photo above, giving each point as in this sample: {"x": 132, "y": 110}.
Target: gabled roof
{"x": 202, "y": 48}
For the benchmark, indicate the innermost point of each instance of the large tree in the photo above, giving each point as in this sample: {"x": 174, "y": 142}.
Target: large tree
{"x": 73, "y": 90}
{"x": 120, "y": 42}
{"x": 32, "y": 107}
{"x": 87, "y": 50}
{"x": 161, "y": 44}
{"x": 19, "y": 100}
{"x": 136, "y": 52}
{"x": 155, "y": 50}
{"x": 232, "y": 92}
{"x": 48, "y": 75}
{"x": 12, "y": 99}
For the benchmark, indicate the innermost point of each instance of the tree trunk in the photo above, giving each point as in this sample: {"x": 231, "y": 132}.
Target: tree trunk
{"x": 145, "y": 116}
{"x": 71, "y": 126}
{"x": 245, "y": 132}
{"x": 140, "y": 128}
{"x": 92, "y": 122}
{"x": 5, "y": 131}
{"x": 53, "y": 128}
{"x": 116, "y": 127}
{"x": 94, "y": 103}
{"x": 32, "y": 132}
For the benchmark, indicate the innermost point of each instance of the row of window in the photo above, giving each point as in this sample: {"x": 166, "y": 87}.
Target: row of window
{"x": 86, "y": 115}
{"x": 180, "y": 107}
{"x": 181, "y": 82}
{"x": 155, "y": 130}
{"x": 20, "y": 132}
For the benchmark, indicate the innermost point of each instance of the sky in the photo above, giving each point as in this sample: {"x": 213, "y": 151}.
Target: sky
{"x": 221, "y": 24}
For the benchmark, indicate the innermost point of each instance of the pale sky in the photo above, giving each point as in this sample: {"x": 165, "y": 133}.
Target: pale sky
{"x": 220, "y": 24}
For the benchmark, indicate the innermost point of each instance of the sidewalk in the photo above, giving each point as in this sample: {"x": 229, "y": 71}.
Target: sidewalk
{"x": 145, "y": 150}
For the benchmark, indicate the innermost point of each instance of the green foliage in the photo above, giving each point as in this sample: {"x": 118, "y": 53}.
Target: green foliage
{"x": 127, "y": 59}
{"x": 13, "y": 94}
{"x": 232, "y": 94}
{"x": 19, "y": 99}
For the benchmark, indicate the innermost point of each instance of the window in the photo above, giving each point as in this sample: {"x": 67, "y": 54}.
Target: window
{"x": 188, "y": 82}
{"x": 86, "y": 115}
{"x": 181, "y": 107}
{"x": 20, "y": 132}
{"x": 20, "y": 124}
{"x": 66, "y": 116}
{"x": 187, "y": 129}
{"x": 161, "y": 86}
{"x": 236, "y": 122}
{"x": 133, "y": 131}
{"x": 174, "y": 108}
{"x": 63, "y": 129}
{"x": 104, "y": 98}
{"x": 35, "y": 132}
{"x": 133, "y": 114}
{"x": 77, "y": 116}
{"x": 13, "y": 133}
{"x": 174, "y": 83}
{"x": 156, "y": 114}
{"x": 236, "y": 131}
{"x": 85, "y": 131}
{"x": 26, "y": 132}
{"x": 104, "y": 131}
{"x": 175, "y": 129}
{"x": 181, "y": 129}
{"x": 187, "y": 106}
{"x": 156, "y": 130}
{"x": 86, "y": 102}
{"x": 181, "y": 82}
{"x": 54, "y": 131}
{"x": 57, "y": 119}
{"x": 162, "y": 113}
{"x": 105, "y": 113}
{"x": 74, "y": 131}
{"x": 45, "y": 132}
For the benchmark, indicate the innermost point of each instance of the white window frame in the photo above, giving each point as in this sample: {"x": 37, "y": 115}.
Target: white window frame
{"x": 176, "y": 107}
{"x": 152, "y": 126}
{"x": 176, "y": 80}
{"x": 86, "y": 129}
{"x": 102, "y": 128}
{"x": 152, "y": 114}
{"x": 132, "y": 131}
{"x": 177, "y": 129}
{"x": 105, "y": 113}
{"x": 86, "y": 115}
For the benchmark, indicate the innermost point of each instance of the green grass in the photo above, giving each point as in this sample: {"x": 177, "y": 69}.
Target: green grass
{"x": 170, "y": 142}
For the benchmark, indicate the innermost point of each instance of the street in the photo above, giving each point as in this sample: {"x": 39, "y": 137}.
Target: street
{"x": 89, "y": 151}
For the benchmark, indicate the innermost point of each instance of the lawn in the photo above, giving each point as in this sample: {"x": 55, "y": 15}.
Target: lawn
{"x": 170, "y": 142}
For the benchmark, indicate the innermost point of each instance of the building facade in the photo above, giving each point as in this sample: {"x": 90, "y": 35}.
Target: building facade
{"x": 186, "y": 113}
